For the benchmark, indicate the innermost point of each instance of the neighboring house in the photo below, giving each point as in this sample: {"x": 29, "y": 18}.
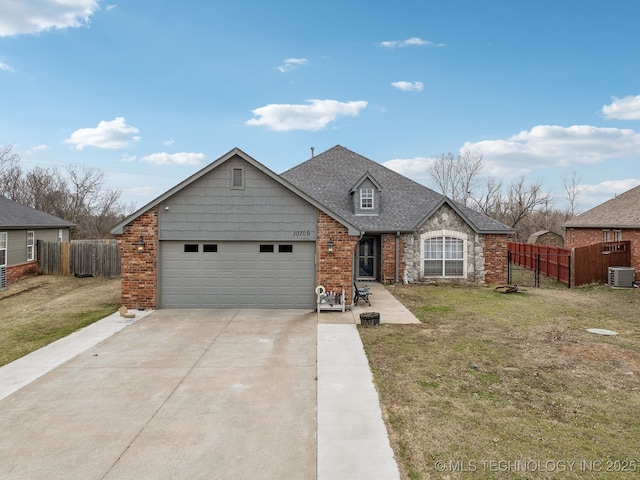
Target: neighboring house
{"x": 20, "y": 228}
{"x": 615, "y": 220}
{"x": 236, "y": 234}
{"x": 546, "y": 237}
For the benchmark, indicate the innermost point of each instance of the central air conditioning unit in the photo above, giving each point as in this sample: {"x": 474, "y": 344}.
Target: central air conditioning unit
{"x": 621, "y": 276}
{"x": 3, "y": 277}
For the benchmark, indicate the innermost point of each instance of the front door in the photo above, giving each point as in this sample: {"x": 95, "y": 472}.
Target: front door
{"x": 367, "y": 263}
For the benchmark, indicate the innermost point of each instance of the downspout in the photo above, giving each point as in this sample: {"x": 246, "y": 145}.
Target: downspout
{"x": 397, "y": 257}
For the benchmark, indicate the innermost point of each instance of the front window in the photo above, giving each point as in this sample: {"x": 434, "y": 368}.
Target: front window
{"x": 443, "y": 257}
{"x": 3, "y": 249}
{"x": 366, "y": 198}
{"x": 31, "y": 246}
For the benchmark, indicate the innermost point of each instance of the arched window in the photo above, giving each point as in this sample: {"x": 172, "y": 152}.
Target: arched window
{"x": 443, "y": 256}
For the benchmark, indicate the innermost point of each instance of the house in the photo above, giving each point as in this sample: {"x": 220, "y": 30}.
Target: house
{"x": 20, "y": 229}
{"x": 546, "y": 237}
{"x": 615, "y": 220}
{"x": 236, "y": 234}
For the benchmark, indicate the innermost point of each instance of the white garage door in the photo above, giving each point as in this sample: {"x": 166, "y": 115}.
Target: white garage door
{"x": 237, "y": 274}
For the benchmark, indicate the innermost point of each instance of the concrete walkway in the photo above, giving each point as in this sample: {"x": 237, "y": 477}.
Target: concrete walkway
{"x": 382, "y": 302}
{"x": 101, "y": 407}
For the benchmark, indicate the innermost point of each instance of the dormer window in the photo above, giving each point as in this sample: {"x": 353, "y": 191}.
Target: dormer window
{"x": 366, "y": 198}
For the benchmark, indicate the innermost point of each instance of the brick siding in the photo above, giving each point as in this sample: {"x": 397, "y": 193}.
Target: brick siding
{"x": 139, "y": 276}
{"x": 495, "y": 258}
{"x": 21, "y": 270}
{"x": 388, "y": 249}
{"x": 335, "y": 270}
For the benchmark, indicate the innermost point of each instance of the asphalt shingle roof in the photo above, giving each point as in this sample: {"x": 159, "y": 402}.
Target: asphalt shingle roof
{"x": 622, "y": 211}
{"x": 404, "y": 204}
{"x": 17, "y": 216}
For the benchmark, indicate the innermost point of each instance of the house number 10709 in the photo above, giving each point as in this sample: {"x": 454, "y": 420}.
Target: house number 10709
{"x": 302, "y": 233}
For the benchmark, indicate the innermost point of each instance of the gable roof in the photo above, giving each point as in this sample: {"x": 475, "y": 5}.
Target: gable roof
{"x": 404, "y": 204}
{"x": 119, "y": 228}
{"x": 622, "y": 211}
{"x": 366, "y": 176}
{"x": 15, "y": 216}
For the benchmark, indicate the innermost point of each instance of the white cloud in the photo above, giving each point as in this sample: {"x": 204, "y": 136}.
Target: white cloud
{"x": 627, "y": 108}
{"x": 109, "y": 135}
{"x": 182, "y": 158}
{"x": 550, "y": 145}
{"x": 35, "y": 16}
{"x": 408, "y": 86}
{"x": 5, "y": 68}
{"x": 592, "y": 195}
{"x": 414, "y": 168}
{"x": 291, "y": 63}
{"x": 314, "y": 116}
{"x": 127, "y": 158}
{"x": 143, "y": 191}
{"x": 168, "y": 142}
{"x": 410, "y": 42}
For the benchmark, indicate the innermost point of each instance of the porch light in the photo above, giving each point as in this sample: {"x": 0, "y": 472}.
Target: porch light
{"x": 140, "y": 245}
{"x": 330, "y": 246}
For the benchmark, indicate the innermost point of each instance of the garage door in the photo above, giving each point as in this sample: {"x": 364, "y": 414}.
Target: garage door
{"x": 237, "y": 274}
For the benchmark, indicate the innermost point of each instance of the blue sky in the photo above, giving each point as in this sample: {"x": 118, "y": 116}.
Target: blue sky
{"x": 149, "y": 92}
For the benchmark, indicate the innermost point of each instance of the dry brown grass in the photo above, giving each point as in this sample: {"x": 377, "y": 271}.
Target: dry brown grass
{"x": 499, "y": 385}
{"x": 39, "y": 310}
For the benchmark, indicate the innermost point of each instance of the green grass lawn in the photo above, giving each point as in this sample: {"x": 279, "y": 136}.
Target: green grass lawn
{"x": 491, "y": 381}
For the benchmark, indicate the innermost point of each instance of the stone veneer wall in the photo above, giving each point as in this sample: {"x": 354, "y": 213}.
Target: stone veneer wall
{"x": 335, "y": 270}
{"x": 446, "y": 221}
{"x": 22, "y": 270}
{"x": 388, "y": 249}
{"x": 139, "y": 278}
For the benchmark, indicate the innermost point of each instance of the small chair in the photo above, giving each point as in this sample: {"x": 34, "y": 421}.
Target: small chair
{"x": 360, "y": 293}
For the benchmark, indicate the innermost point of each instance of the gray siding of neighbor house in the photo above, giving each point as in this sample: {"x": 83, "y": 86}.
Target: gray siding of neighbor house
{"x": 17, "y": 242}
{"x": 210, "y": 209}
{"x": 16, "y": 247}
{"x": 448, "y": 222}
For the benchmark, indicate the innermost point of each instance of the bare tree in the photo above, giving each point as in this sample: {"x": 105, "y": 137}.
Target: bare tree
{"x": 571, "y": 184}
{"x": 456, "y": 177}
{"x": 10, "y": 172}
{"x": 76, "y": 196}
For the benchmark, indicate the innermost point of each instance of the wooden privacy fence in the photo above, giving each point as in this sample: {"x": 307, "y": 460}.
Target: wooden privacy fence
{"x": 83, "y": 258}
{"x": 571, "y": 266}
{"x": 591, "y": 263}
{"x": 554, "y": 262}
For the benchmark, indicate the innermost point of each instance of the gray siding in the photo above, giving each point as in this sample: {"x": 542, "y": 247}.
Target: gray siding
{"x": 17, "y": 242}
{"x": 210, "y": 208}
{"x": 16, "y": 247}
{"x": 376, "y": 199}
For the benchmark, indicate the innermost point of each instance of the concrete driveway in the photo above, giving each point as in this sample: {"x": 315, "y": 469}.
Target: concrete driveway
{"x": 189, "y": 394}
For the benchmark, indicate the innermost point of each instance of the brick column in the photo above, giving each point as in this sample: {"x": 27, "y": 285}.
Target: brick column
{"x": 335, "y": 270}
{"x": 388, "y": 249}
{"x": 495, "y": 258}
{"x": 139, "y": 281}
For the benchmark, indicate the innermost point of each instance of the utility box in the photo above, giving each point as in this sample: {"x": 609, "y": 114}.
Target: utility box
{"x": 621, "y": 276}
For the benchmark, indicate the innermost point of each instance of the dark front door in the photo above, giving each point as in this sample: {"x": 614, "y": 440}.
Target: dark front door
{"x": 367, "y": 259}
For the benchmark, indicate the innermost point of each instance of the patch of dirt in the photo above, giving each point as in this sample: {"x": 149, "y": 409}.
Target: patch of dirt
{"x": 49, "y": 295}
